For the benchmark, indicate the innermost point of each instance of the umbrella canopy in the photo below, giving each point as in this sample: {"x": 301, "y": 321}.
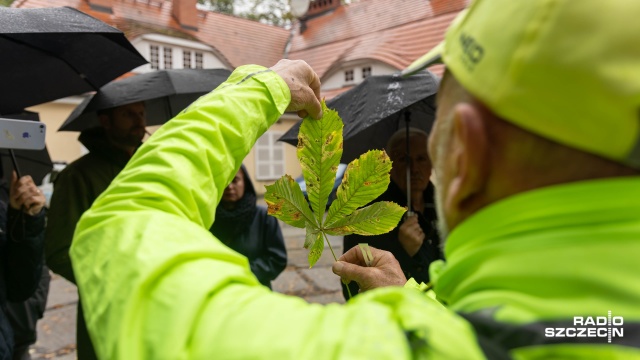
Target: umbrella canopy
{"x": 51, "y": 53}
{"x": 376, "y": 108}
{"x": 165, "y": 93}
{"x": 36, "y": 163}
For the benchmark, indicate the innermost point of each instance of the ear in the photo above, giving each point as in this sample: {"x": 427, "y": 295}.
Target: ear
{"x": 470, "y": 160}
{"x": 104, "y": 121}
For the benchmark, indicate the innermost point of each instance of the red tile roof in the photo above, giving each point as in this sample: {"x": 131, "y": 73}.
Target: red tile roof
{"x": 393, "y": 32}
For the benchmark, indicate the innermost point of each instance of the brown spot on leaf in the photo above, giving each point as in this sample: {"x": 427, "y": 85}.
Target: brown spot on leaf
{"x": 274, "y": 208}
{"x": 329, "y": 138}
{"x": 367, "y": 183}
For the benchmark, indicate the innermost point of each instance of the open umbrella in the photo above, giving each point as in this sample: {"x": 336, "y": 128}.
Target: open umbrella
{"x": 36, "y": 163}
{"x": 375, "y": 109}
{"x": 51, "y": 53}
{"x": 165, "y": 93}
{"x": 378, "y": 107}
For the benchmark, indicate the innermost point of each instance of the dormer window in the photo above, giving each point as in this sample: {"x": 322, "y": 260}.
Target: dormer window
{"x": 366, "y": 72}
{"x": 154, "y": 59}
{"x": 348, "y": 76}
{"x": 165, "y": 52}
{"x": 199, "y": 61}
{"x": 186, "y": 59}
{"x": 168, "y": 57}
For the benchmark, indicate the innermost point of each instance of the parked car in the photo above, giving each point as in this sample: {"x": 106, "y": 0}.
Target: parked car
{"x": 336, "y": 183}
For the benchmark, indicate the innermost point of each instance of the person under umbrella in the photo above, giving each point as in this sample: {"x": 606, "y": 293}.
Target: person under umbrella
{"x": 414, "y": 242}
{"x": 110, "y": 147}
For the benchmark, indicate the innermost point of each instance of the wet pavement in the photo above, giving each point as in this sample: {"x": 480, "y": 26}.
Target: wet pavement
{"x": 56, "y": 331}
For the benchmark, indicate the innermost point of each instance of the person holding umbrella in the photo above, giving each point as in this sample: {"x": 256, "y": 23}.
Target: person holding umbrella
{"x": 21, "y": 251}
{"x": 414, "y": 242}
{"x": 110, "y": 147}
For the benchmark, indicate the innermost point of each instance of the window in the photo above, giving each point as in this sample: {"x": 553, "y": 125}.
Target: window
{"x": 186, "y": 59}
{"x": 348, "y": 76}
{"x": 366, "y": 72}
{"x": 199, "y": 61}
{"x": 153, "y": 57}
{"x": 168, "y": 57}
{"x": 269, "y": 156}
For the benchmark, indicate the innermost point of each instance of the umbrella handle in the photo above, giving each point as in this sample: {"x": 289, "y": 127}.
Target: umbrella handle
{"x": 15, "y": 163}
{"x": 407, "y": 119}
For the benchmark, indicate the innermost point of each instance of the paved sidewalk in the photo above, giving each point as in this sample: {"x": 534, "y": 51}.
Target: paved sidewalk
{"x": 56, "y": 331}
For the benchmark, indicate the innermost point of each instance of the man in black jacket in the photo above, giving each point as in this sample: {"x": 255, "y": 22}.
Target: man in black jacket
{"x": 414, "y": 242}
{"x": 21, "y": 250}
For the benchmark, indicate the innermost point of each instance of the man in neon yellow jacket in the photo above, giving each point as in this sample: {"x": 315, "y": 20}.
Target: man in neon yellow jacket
{"x": 537, "y": 183}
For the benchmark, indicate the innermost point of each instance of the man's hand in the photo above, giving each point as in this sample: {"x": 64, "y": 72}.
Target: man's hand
{"x": 24, "y": 194}
{"x": 304, "y": 85}
{"x": 410, "y": 235}
{"x": 385, "y": 270}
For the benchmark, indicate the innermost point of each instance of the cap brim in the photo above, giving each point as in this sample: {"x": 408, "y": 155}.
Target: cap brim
{"x": 433, "y": 57}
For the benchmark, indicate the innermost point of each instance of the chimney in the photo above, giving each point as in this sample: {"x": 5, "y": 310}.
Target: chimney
{"x": 446, "y": 6}
{"x": 318, "y": 7}
{"x": 101, "y": 6}
{"x": 186, "y": 13}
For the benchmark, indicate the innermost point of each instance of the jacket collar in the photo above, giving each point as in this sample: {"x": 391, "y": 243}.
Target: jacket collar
{"x": 562, "y": 242}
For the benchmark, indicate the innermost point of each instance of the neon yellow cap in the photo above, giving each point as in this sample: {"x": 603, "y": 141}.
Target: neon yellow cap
{"x": 567, "y": 70}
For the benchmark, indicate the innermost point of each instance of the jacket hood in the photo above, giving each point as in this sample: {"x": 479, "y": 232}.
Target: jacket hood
{"x": 248, "y": 185}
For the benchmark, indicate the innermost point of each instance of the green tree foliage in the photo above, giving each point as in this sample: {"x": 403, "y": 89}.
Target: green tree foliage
{"x": 366, "y": 178}
{"x": 275, "y": 12}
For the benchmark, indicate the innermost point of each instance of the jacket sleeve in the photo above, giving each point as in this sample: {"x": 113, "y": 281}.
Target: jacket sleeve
{"x": 156, "y": 284}
{"x": 69, "y": 201}
{"x": 273, "y": 258}
{"x": 24, "y": 250}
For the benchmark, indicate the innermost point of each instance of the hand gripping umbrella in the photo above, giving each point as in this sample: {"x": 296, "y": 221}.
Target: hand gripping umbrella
{"x": 51, "y": 53}
{"x": 165, "y": 93}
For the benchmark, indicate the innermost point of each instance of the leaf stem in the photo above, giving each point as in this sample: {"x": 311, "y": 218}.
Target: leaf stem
{"x": 330, "y": 248}
{"x": 336, "y": 259}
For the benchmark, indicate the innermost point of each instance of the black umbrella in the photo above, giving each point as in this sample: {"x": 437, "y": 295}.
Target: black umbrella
{"x": 165, "y": 93}
{"x": 375, "y": 109}
{"x": 378, "y": 107}
{"x": 36, "y": 163}
{"x": 51, "y": 53}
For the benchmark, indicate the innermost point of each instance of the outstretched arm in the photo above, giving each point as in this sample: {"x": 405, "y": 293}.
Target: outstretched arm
{"x": 156, "y": 284}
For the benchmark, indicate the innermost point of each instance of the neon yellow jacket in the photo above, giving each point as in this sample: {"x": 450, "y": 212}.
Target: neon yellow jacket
{"x": 156, "y": 284}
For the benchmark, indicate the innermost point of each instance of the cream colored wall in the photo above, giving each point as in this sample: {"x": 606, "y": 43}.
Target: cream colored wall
{"x": 63, "y": 145}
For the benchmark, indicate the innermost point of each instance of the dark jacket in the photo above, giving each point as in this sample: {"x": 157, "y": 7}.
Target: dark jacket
{"x": 75, "y": 189}
{"x": 255, "y": 235}
{"x": 416, "y": 266}
{"x": 21, "y": 252}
